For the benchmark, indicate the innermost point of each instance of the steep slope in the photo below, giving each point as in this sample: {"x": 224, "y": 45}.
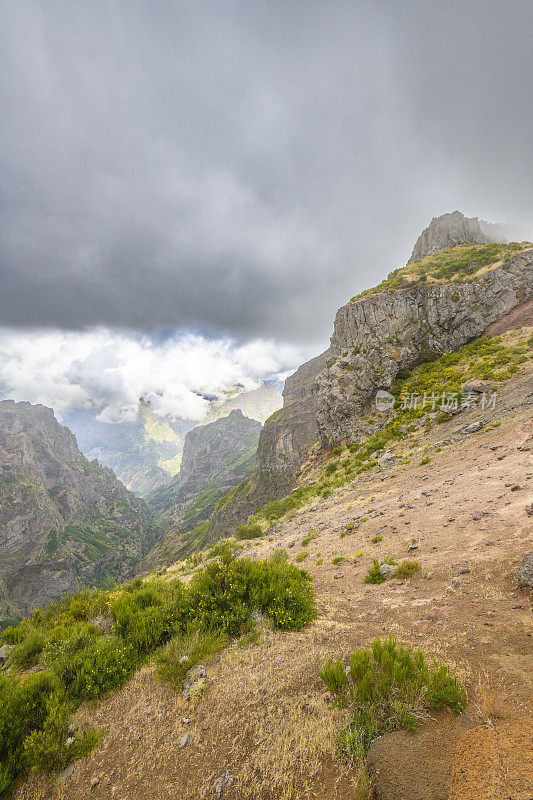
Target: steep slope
{"x": 429, "y": 307}
{"x": 285, "y": 439}
{"x": 216, "y": 457}
{"x": 65, "y": 522}
{"x": 379, "y": 334}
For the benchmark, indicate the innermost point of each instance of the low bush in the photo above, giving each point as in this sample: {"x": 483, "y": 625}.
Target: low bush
{"x": 248, "y": 530}
{"x": 388, "y": 687}
{"x": 407, "y": 568}
{"x": 374, "y": 575}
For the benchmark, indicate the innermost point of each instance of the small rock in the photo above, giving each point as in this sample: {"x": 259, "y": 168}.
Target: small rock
{"x": 455, "y": 582}
{"x": 195, "y": 682}
{"x": 388, "y": 570}
{"x": 515, "y": 487}
{"x": 95, "y": 781}
{"x": 184, "y": 741}
{"x": 224, "y": 782}
{"x": 5, "y": 650}
{"x": 412, "y": 547}
{"x": 525, "y": 572}
{"x": 340, "y": 574}
{"x": 473, "y": 428}
{"x": 529, "y": 510}
{"x": 464, "y": 570}
{"x": 478, "y": 387}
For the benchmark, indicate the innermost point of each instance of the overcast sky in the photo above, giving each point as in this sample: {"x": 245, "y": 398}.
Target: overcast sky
{"x": 235, "y": 171}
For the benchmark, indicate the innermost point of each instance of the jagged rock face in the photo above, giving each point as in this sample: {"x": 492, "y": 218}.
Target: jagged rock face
{"x": 65, "y": 522}
{"x": 449, "y": 230}
{"x": 216, "y": 457}
{"x": 378, "y": 334}
{"x": 289, "y": 433}
{"x": 285, "y": 439}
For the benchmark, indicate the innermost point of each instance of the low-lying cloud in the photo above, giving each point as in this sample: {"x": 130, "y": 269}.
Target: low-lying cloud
{"x": 109, "y": 372}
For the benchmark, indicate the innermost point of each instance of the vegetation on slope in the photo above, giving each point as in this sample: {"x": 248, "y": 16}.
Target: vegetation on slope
{"x": 385, "y": 688}
{"x": 462, "y": 263}
{"x": 487, "y": 358}
{"x": 91, "y": 642}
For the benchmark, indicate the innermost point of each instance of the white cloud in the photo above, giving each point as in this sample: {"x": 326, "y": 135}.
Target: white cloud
{"x": 109, "y": 370}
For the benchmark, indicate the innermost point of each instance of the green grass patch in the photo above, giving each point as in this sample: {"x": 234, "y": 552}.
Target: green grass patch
{"x": 186, "y": 650}
{"x": 309, "y": 538}
{"x": 388, "y": 687}
{"x": 407, "y": 568}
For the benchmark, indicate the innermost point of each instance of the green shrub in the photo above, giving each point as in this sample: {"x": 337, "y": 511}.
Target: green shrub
{"x": 388, "y": 687}
{"x": 27, "y": 652}
{"x": 34, "y": 725}
{"x": 407, "y": 568}
{"x": 248, "y": 530}
{"x": 338, "y": 560}
{"x": 334, "y": 676}
{"x": 185, "y": 651}
{"x": 309, "y": 538}
{"x": 302, "y": 555}
{"x": 374, "y": 575}
{"x": 376, "y": 539}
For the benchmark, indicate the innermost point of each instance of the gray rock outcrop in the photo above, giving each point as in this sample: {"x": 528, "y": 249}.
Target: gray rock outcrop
{"x": 449, "y": 230}
{"x": 380, "y": 333}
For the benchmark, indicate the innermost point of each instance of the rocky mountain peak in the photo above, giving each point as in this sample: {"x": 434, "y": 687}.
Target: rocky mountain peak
{"x": 449, "y": 230}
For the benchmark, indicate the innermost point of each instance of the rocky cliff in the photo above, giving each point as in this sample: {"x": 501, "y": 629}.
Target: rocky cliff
{"x": 216, "y": 457}
{"x": 285, "y": 439}
{"x": 65, "y": 522}
{"x": 449, "y": 230}
{"x": 460, "y": 283}
{"x": 379, "y": 334}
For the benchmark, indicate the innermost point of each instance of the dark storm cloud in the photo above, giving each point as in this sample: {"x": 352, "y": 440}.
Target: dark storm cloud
{"x": 246, "y": 167}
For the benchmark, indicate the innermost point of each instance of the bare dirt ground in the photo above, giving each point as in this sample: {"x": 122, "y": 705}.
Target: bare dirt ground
{"x": 265, "y": 722}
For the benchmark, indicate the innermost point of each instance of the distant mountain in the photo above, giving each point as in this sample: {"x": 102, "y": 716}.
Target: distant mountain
{"x": 65, "y": 522}
{"x": 216, "y": 457}
{"x": 257, "y": 404}
{"x": 146, "y": 454}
